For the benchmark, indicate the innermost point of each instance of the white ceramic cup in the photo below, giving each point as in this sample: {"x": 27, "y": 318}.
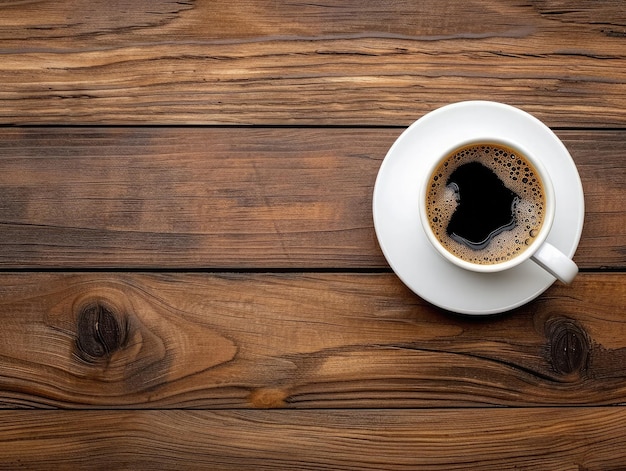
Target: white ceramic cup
{"x": 539, "y": 251}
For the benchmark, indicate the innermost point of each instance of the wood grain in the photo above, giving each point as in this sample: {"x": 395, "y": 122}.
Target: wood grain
{"x": 267, "y": 331}
{"x": 558, "y": 439}
{"x": 259, "y": 62}
{"x": 299, "y": 341}
{"x": 233, "y": 198}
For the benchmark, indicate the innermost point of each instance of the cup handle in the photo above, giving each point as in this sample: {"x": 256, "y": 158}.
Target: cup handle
{"x": 555, "y": 262}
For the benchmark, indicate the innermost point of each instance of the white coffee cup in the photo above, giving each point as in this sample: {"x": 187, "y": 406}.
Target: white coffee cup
{"x": 538, "y": 250}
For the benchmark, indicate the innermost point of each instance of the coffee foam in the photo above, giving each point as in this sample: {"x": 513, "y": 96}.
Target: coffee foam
{"x": 517, "y": 174}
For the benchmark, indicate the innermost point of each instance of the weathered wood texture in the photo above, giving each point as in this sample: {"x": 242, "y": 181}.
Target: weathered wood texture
{"x": 299, "y": 341}
{"x": 359, "y": 372}
{"x": 558, "y": 439}
{"x": 235, "y": 198}
{"x": 259, "y": 62}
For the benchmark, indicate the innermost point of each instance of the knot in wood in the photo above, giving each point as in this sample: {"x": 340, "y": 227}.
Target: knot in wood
{"x": 99, "y": 331}
{"x": 569, "y": 346}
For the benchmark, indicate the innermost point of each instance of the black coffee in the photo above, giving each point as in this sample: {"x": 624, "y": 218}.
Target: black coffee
{"x": 485, "y": 203}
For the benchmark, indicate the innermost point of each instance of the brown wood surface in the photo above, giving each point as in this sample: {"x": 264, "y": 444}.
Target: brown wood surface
{"x": 189, "y": 274}
{"x": 234, "y": 198}
{"x": 299, "y": 340}
{"x": 558, "y": 439}
{"x": 260, "y": 62}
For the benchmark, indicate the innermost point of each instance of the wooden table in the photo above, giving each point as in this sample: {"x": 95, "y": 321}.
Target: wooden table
{"x": 190, "y": 277}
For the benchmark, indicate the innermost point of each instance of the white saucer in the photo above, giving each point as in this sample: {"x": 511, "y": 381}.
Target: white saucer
{"x": 397, "y": 220}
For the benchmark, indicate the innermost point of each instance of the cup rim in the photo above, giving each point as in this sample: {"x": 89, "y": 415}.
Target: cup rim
{"x": 548, "y": 216}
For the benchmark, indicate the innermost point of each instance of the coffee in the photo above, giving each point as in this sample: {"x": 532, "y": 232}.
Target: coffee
{"x": 485, "y": 203}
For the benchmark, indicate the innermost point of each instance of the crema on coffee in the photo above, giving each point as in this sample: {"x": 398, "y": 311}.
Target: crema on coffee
{"x": 485, "y": 203}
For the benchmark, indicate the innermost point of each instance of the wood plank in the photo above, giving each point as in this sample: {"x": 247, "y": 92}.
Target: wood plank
{"x": 235, "y": 198}
{"x": 299, "y": 341}
{"x": 259, "y": 62}
{"x": 488, "y": 439}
